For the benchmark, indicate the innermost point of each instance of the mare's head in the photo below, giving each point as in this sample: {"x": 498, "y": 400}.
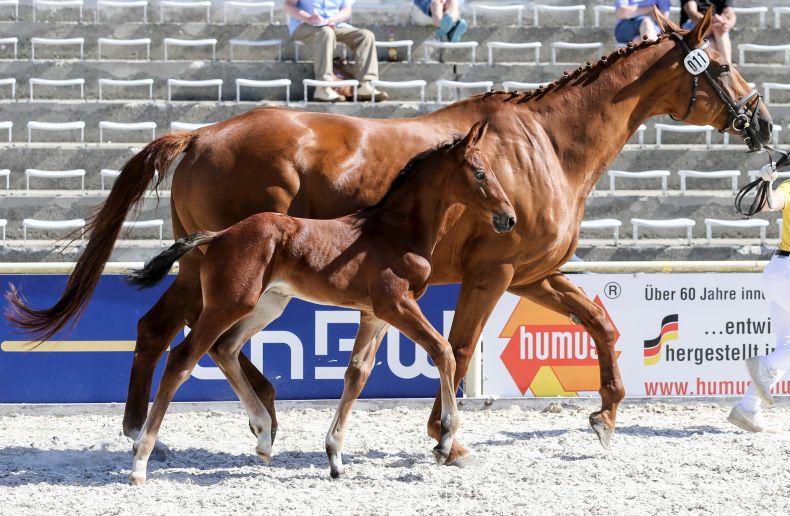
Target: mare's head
{"x": 724, "y": 99}
{"x": 477, "y": 186}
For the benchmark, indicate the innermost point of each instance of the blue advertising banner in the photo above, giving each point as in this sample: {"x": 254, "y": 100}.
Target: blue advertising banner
{"x": 303, "y": 353}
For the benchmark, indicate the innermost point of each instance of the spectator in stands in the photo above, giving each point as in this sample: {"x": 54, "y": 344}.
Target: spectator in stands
{"x": 447, "y": 18}
{"x": 766, "y": 371}
{"x": 635, "y": 19}
{"x": 692, "y": 11}
{"x": 320, "y": 23}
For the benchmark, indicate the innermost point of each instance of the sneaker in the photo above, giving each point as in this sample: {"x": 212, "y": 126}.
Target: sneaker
{"x": 366, "y": 91}
{"x": 455, "y": 34}
{"x": 445, "y": 26}
{"x": 327, "y": 95}
{"x": 749, "y": 421}
{"x": 762, "y": 378}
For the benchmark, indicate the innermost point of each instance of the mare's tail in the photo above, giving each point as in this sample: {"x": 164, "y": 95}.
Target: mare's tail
{"x": 103, "y": 228}
{"x": 156, "y": 269}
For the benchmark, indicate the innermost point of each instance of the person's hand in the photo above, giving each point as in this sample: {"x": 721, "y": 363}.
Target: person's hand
{"x": 330, "y": 22}
{"x": 768, "y": 174}
{"x": 315, "y": 19}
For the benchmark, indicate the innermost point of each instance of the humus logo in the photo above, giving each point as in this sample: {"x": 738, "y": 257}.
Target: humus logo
{"x": 548, "y": 354}
{"x": 669, "y": 331}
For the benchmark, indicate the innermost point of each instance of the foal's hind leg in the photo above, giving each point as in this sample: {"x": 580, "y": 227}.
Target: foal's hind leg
{"x": 213, "y": 321}
{"x": 402, "y": 311}
{"x": 557, "y": 293}
{"x": 371, "y": 331}
{"x": 269, "y": 307}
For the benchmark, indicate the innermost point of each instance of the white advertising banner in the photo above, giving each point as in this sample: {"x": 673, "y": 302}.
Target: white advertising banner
{"x": 677, "y": 335}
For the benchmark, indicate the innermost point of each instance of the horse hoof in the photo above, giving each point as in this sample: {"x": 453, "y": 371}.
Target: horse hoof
{"x": 265, "y": 457}
{"x": 136, "y": 479}
{"x": 603, "y": 432}
{"x": 463, "y": 461}
{"x": 335, "y": 472}
{"x": 441, "y": 454}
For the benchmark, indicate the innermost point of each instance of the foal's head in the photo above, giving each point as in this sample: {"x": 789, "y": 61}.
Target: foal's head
{"x": 735, "y": 107}
{"x": 478, "y": 187}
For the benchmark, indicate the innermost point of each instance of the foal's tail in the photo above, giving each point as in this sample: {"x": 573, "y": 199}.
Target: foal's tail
{"x": 156, "y": 269}
{"x": 103, "y": 229}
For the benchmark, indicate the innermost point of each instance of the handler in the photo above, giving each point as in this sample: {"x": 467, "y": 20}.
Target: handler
{"x": 766, "y": 371}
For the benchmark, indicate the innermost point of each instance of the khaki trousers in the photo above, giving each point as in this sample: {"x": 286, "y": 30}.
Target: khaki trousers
{"x": 322, "y": 40}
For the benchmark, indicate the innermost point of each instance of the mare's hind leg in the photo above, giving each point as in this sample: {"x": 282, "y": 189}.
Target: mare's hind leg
{"x": 156, "y": 329}
{"x": 213, "y": 321}
{"x": 557, "y": 293}
{"x": 402, "y": 311}
{"x": 269, "y": 307}
{"x": 366, "y": 344}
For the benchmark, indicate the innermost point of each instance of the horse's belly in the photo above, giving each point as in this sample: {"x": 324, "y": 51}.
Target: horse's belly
{"x": 321, "y": 295}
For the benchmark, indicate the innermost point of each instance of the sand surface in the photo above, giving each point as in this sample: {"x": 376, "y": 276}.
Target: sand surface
{"x": 665, "y": 458}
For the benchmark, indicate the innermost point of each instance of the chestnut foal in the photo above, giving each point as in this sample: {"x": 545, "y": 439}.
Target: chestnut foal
{"x": 377, "y": 261}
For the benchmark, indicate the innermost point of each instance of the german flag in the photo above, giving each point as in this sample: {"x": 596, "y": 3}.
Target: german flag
{"x": 669, "y": 331}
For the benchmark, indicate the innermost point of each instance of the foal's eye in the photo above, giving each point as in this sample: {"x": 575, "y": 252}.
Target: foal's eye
{"x": 480, "y": 175}
{"x": 725, "y": 69}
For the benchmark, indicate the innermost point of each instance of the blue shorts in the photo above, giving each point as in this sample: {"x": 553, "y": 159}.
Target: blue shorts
{"x": 424, "y": 6}
{"x": 627, "y": 30}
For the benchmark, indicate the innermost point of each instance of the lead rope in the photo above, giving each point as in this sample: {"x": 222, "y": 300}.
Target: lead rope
{"x": 763, "y": 195}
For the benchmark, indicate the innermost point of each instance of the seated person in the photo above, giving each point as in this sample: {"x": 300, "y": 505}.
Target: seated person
{"x": 692, "y": 11}
{"x": 320, "y": 23}
{"x": 447, "y": 18}
{"x": 635, "y": 19}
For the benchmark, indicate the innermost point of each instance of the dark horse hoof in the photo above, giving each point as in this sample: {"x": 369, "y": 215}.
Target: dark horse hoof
{"x": 602, "y": 430}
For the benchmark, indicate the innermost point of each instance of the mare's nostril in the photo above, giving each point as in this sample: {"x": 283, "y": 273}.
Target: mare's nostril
{"x": 511, "y": 221}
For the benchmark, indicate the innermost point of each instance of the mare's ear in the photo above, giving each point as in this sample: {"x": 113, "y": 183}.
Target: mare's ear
{"x": 476, "y": 133}
{"x": 698, "y": 33}
{"x": 666, "y": 25}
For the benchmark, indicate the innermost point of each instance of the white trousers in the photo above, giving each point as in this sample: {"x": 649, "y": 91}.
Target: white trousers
{"x": 776, "y": 287}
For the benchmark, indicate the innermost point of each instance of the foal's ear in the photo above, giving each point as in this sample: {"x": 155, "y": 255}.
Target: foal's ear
{"x": 698, "y": 33}
{"x": 476, "y": 133}
{"x": 666, "y": 25}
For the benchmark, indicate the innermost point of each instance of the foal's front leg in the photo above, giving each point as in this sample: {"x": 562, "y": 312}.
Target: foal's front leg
{"x": 371, "y": 332}
{"x": 402, "y": 311}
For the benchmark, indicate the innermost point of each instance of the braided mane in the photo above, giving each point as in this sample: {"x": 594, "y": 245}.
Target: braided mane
{"x": 581, "y": 72}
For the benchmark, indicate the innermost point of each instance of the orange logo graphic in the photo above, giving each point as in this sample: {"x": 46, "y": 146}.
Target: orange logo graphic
{"x": 548, "y": 354}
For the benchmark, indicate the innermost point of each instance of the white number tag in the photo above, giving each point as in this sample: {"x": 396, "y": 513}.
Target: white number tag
{"x": 697, "y": 61}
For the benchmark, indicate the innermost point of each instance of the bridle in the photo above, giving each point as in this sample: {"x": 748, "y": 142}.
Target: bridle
{"x": 740, "y": 119}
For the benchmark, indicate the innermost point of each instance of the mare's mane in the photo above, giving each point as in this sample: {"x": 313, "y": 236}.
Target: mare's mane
{"x": 412, "y": 169}
{"x": 588, "y": 72}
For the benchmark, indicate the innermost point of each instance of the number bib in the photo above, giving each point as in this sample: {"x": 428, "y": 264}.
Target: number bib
{"x": 697, "y": 61}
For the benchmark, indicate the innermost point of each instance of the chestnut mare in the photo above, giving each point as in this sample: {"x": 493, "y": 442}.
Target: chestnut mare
{"x": 552, "y": 145}
{"x": 377, "y": 261}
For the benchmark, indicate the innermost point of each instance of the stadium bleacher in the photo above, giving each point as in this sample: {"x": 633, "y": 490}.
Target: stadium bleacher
{"x": 87, "y": 74}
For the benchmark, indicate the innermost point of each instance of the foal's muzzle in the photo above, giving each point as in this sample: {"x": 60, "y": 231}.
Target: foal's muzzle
{"x": 504, "y": 222}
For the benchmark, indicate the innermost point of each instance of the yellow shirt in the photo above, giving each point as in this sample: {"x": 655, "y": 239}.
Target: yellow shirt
{"x": 784, "y": 245}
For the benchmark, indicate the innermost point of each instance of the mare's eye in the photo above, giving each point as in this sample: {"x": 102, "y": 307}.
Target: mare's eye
{"x": 725, "y": 69}
{"x": 480, "y": 175}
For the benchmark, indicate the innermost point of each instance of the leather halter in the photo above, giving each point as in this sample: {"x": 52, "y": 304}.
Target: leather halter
{"x": 740, "y": 119}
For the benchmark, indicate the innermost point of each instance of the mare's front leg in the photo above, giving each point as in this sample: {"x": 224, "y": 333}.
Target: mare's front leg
{"x": 480, "y": 291}
{"x": 371, "y": 332}
{"x": 397, "y": 306}
{"x": 557, "y": 293}
{"x": 212, "y": 323}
